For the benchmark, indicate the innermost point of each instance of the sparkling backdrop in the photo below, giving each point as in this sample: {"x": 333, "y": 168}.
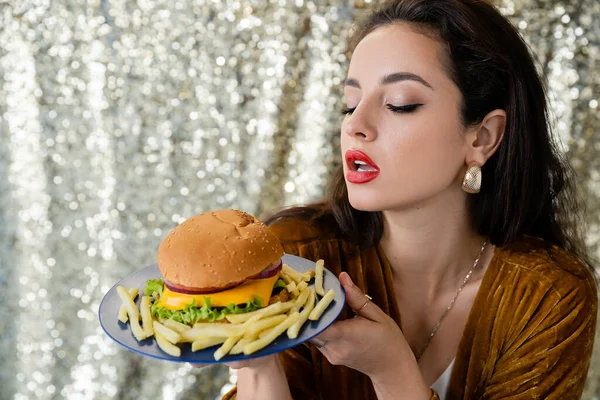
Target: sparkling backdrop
{"x": 120, "y": 119}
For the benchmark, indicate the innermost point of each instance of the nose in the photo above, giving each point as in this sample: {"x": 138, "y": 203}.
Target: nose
{"x": 359, "y": 125}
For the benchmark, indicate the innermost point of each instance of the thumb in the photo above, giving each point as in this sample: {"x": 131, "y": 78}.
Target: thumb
{"x": 358, "y": 301}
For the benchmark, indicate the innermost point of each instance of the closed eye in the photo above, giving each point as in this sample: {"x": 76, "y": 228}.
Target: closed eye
{"x": 397, "y": 109}
{"x": 403, "y": 109}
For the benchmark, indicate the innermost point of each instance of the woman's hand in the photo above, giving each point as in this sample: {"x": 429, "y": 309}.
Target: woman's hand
{"x": 260, "y": 378}
{"x": 373, "y": 344}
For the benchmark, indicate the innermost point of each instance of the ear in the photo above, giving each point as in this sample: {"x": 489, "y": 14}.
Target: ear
{"x": 484, "y": 139}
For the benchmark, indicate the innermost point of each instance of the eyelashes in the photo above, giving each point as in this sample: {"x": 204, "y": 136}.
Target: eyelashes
{"x": 409, "y": 108}
{"x": 347, "y": 110}
{"x": 404, "y": 109}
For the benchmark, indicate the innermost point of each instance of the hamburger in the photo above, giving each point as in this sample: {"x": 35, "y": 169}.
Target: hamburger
{"x": 216, "y": 263}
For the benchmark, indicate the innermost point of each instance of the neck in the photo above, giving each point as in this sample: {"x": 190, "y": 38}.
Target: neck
{"x": 431, "y": 247}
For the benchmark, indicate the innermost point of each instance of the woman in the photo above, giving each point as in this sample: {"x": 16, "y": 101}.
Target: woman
{"x": 451, "y": 213}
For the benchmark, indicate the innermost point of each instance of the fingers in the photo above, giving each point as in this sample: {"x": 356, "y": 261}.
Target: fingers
{"x": 318, "y": 342}
{"x": 345, "y": 330}
{"x": 333, "y": 333}
{"x": 358, "y": 301}
{"x": 257, "y": 363}
{"x": 237, "y": 364}
{"x": 232, "y": 365}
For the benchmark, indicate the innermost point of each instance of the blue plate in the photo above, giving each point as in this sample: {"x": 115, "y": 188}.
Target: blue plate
{"x": 121, "y": 333}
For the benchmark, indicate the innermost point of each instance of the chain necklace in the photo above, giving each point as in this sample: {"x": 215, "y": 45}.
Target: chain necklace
{"x": 437, "y": 326}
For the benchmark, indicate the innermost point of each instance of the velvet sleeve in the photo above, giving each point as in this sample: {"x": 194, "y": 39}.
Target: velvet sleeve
{"x": 548, "y": 356}
{"x": 299, "y": 369}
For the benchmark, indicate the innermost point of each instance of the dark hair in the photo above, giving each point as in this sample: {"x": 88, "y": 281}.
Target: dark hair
{"x": 526, "y": 188}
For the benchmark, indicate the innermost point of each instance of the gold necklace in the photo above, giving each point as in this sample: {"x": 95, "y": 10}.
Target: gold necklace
{"x": 437, "y": 326}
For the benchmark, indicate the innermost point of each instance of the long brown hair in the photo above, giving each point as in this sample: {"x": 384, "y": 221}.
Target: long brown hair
{"x": 527, "y": 187}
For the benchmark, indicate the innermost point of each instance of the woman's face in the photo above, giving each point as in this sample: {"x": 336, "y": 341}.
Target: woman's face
{"x": 402, "y": 140}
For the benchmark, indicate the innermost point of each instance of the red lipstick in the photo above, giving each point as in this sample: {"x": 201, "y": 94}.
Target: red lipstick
{"x": 361, "y": 169}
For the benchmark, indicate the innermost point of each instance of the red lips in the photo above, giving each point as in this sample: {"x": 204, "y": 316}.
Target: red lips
{"x": 361, "y": 169}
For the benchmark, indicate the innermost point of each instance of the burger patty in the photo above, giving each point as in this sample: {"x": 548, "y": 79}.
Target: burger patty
{"x": 282, "y": 296}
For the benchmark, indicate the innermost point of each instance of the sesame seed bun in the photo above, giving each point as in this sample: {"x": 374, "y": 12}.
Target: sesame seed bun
{"x": 217, "y": 250}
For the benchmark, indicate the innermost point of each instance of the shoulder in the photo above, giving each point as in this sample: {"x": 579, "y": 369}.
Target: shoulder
{"x": 295, "y": 229}
{"x": 546, "y": 266}
{"x": 304, "y": 225}
{"x": 537, "y": 293}
{"x": 535, "y": 323}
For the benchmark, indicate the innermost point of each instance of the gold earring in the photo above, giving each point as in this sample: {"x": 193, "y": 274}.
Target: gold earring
{"x": 472, "y": 181}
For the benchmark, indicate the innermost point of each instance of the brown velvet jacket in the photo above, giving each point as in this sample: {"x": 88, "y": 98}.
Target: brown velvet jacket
{"x": 529, "y": 334}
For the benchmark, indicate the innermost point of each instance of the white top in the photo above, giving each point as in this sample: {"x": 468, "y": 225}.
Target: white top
{"x": 441, "y": 385}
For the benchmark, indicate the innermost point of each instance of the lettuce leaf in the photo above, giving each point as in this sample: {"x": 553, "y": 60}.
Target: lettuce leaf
{"x": 154, "y": 285}
{"x": 279, "y": 284}
{"x": 192, "y": 313}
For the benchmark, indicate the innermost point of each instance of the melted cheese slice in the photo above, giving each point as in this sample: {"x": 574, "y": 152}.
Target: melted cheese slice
{"x": 238, "y": 295}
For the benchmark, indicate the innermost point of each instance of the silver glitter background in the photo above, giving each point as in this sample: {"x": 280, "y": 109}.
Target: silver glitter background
{"x": 119, "y": 119}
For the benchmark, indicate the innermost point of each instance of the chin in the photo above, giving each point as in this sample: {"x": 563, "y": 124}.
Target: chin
{"x": 365, "y": 201}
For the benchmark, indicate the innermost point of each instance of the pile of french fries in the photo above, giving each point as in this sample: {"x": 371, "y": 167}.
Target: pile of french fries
{"x": 244, "y": 333}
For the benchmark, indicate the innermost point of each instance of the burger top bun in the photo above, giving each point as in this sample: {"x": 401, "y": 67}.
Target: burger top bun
{"x": 216, "y": 250}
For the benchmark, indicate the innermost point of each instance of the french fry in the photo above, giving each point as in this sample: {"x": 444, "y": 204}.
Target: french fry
{"x": 176, "y": 326}
{"x": 239, "y": 346}
{"x": 301, "y": 286}
{"x": 300, "y": 300}
{"x": 315, "y": 314}
{"x": 319, "y": 277}
{"x": 254, "y": 329}
{"x": 273, "y": 334}
{"x": 291, "y": 286}
{"x": 247, "y": 324}
{"x": 132, "y": 311}
{"x": 133, "y": 292}
{"x": 308, "y": 275}
{"x": 252, "y": 320}
{"x": 222, "y": 330}
{"x": 309, "y": 305}
{"x": 265, "y": 332}
{"x": 250, "y": 336}
{"x": 292, "y": 273}
{"x": 204, "y": 343}
{"x": 273, "y": 309}
{"x": 286, "y": 278}
{"x": 226, "y": 347}
{"x": 146, "y": 316}
{"x": 167, "y": 333}
{"x": 198, "y": 325}
{"x": 166, "y": 346}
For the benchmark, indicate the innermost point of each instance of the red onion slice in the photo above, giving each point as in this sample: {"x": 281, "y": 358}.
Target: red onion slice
{"x": 270, "y": 271}
{"x": 266, "y": 273}
{"x": 185, "y": 290}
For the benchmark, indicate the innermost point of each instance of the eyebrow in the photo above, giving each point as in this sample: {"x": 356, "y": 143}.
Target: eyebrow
{"x": 393, "y": 78}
